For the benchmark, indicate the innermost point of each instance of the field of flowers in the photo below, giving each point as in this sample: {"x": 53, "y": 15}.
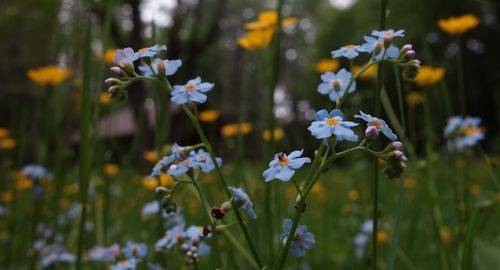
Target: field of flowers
{"x": 165, "y": 152}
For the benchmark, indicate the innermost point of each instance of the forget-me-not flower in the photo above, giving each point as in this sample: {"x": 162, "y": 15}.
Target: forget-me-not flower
{"x": 103, "y": 254}
{"x": 388, "y": 34}
{"x": 146, "y": 52}
{"x": 453, "y": 124}
{"x": 35, "y": 172}
{"x": 381, "y": 43}
{"x": 121, "y": 56}
{"x": 171, "y": 237}
{"x": 463, "y": 132}
{"x": 55, "y": 253}
{"x": 240, "y": 196}
{"x": 150, "y": 209}
{"x": 328, "y": 124}
{"x": 193, "y": 90}
{"x": 380, "y": 124}
{"x": 136, "y": 250}
{"x": 127, "y": 264}
{"x": 302, "y": 240}
{"x": 349, "y": 51}
{"x": 283, "y": 167}
{"x": 204, "y": 161}
{"x": 335, "y": 84}
{"x": 168, "y": 67}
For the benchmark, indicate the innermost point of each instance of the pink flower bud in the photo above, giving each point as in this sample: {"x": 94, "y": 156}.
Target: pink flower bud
{"x": 371, "y": 132}
{"x": 397, "y": 145}
{"x": 116, "y": 71}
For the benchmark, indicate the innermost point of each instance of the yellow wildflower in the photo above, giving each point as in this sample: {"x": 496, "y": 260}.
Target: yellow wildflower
{"x": 369, "y": 73}
{"x": 475, "y": 189}
{"x": 6, "y": 197}
{"x": 4, "y": 133}
{"x": 414, "y": 98}
{"x": 445, "y": 234}
{"x": 319, "y": 193}
{"x": 109, "y": 54}
{"x": 71, "y": 189}
{"x": 278, "y": 134}
{"x": 150, "y": 156}
{"x": 268, "y": 19}
{"x": 208, "y": 116}
{"x": 23, "y": 183}
{"x": 429, "y": 75}
{"x": 104, "y": 98}
{"x": 382, "y": 236}
{"x": 7, "y": 144}
{"x": 458, "y": 25}
{"x": 165, "y": 181}
{"x": 353, "y": 195}
{"x": 231, "y": 130}
{"x": 64, "y": 203}
{"x": 111, "y": 169}
{"x": 256, "y": 39}
{"x": 409, "y": 182}
{"x": 49, "y": 75}
{"x": 325, "y": 65}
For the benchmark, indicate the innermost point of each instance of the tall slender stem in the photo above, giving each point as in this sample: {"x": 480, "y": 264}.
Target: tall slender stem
{"x": 460, "y": 77}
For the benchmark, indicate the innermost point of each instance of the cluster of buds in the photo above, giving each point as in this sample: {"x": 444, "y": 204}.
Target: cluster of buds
{"x": 166, "y": 204}
{"x": 395, "y": 158}
{"x": 410, "y": 65}
{"x": 191, "y": 252}
{"x": 120, "y": 80}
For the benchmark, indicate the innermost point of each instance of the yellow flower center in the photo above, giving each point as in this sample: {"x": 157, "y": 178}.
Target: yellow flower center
{"x": 283, "y": 159}
{"x": 123, "y": 262}
{"x": 379, "y": 45}
{"x": 143, "y": 50}
{"x": 471, "y": 131}
{"x": 350, "y": 46}
{"x": 190, "y": 88}
{"x": 376, "y": 124}
{"x": 332, "y": 121}
{"x": 160, "y": 65}
{"x": 186, "y": 161}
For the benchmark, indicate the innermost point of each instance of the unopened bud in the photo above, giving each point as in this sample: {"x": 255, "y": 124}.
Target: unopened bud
{"x": 112, "y": 81}
{"x": 113, "y": 90}
{"x": 161, "y": 191}
{"x": 397, "y": 145}
{"x": 207, "y": 229}
{"x": 371, "y": 132}
{"x": 336, "y": 85}
{"x": 218, "y": 212}
{"x": 116, "y": 71}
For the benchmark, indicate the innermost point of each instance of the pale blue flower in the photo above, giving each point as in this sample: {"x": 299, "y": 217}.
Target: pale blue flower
{"x": 146, "y": 52}
{"x": 103, "y": 254}
{"x": 121, "y": 56}
{"x": 380, "y": 124}
{"x": 54, "y": 253}
{"x": 360, "y": 239}
{"x": 193, "y": 90}
{"x": 36, "y": 172}
{"x": 193, "y": 233}
{"x": 283, "y": 167}
{"x": 302, "y": 240}
{"x": 171, "y": 237}
{"x": 150, "y": 209}
{"x": 204, "y": 162}
{"x": 388, "y": 34}
{"x": 377, "y": 45}
{"x": 136, "y": 250}
{"x": 128, "y": 264}
{"x": 453, "y": 124}
{"x": 367, "y": 226}
{"x": 463, "y": 132}
{"x": 178, "y": 154}
{"x": 240, "y": 196}
{"x": 169, "y": 67}
{"x": 348, "y": 51}
{"x": 328, "y": 124}
{"x": 335, "y": 84}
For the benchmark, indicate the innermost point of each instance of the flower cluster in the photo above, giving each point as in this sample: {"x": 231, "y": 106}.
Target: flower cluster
{"x": 395, "y": 158}
{"x": 182, "y": 159}
{"x": 120, "y": 258}
{"x": 151, "y": 67}
{"x": 462, "y": 132}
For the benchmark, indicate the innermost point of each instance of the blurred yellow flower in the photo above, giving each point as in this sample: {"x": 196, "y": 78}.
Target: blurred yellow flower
{"x": 231, "y": 130}
{"x": 353, "y": 195}
{"x": 104, "y": 98}
{"x": 109, "y": 54}
{"x": 268, "y": 20}
{"x": 445, "y": 234}
{"x": 6, "y": 197}
{"x": 64, "y": 203}
{"x": 256, "y": 39}
{"x": 165, "y": 181}
{"x": 23, "y": 183}
{"x": 318, "y": 192}
{"x": 151, "y": 156}
{"x": 110, "y": 169}
{"x": 260, "y": 32}
{"x": 208, "y": 116}
{"x": 409, "y": 182}
{"x": 414, "y": 98}
{"x": 4, "y": 133}
{"x": 278, "y": 134}
{"x": 369, "y": 73}
{"x": 7, "y": 144}
{"x": 49, "y": 75}
{"x": 458, "y": 25}
{"x": 428, "y": 75}
{"x": 475, "y": 189}
{"x": 382, "y": 236}
{"x": 71, "y": 189}
{"x": 325, "y": 65}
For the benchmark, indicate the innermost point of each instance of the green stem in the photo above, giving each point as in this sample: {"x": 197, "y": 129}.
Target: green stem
{"x": 461, "y": 81}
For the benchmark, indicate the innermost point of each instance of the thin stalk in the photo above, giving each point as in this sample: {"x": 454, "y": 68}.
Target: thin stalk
{"x": 460, "y": 77}
{"x": 84, "y": 143}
